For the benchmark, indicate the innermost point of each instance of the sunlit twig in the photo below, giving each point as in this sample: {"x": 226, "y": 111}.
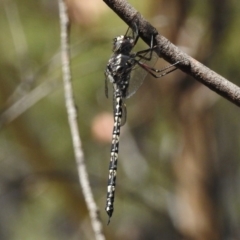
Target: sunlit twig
{"x": 72, "y": 118}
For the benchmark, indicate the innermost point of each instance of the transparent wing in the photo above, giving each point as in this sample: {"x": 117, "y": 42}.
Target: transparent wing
{"x": 138, "y": 74}
{"x": 108, "y": 88}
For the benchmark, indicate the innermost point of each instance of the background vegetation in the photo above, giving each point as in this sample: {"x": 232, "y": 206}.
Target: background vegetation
{"x": 179, "y": 169}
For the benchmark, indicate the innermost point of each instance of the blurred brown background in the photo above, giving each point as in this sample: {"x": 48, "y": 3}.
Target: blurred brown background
{"x": 179, "y": 169}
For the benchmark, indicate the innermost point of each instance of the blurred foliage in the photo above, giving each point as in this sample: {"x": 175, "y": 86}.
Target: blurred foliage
{"x": 40, "y": 195}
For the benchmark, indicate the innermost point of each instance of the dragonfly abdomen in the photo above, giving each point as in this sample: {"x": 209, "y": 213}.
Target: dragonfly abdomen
{"x": 114, "y": 152}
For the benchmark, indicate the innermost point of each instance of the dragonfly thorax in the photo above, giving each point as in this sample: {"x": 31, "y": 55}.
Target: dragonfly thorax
{"x": 123, "y": 44}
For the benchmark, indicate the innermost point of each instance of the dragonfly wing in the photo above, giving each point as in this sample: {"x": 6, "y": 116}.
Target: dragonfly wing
{"x": 106, "y": 87}
{"x": 138, "y": 74}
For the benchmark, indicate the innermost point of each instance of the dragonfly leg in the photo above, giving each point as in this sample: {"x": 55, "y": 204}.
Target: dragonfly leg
{"x": 141, "y": 54}
{"x": 135, "y": 34}
{"x": 153, "y": 71}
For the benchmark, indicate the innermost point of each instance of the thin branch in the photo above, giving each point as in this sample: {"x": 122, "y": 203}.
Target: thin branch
{"x": 27, "y": 101}
{"x": 72, "y": 118}
{"x": 33, "y": 96}
{"x": 172, "y": 54}
{"x": 19, "y": 42}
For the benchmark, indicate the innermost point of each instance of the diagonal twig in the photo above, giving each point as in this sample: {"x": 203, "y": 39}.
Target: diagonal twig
{"x": 172, "y": 54}
{"x": 72, "y": 118}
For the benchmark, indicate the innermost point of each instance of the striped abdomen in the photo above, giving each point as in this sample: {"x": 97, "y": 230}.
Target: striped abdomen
{"x": 114, "y": 152}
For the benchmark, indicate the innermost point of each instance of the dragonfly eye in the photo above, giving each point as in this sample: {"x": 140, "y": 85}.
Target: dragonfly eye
{"x": 116, "y": 46}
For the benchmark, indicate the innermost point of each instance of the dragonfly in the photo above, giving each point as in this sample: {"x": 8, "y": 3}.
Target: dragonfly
{"x": 126, "y": 71}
